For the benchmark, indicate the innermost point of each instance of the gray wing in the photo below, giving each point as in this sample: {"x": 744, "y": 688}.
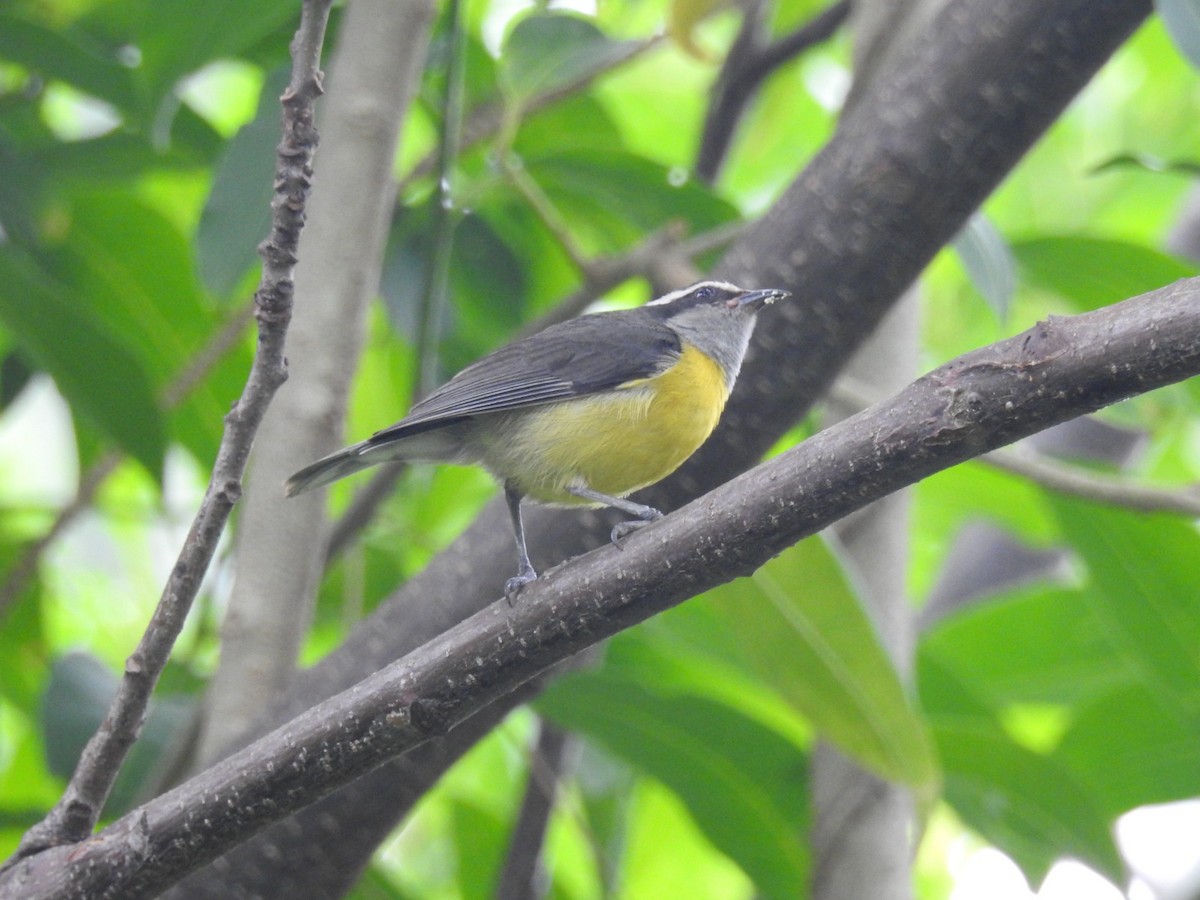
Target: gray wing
{"x": 581, "y": 356}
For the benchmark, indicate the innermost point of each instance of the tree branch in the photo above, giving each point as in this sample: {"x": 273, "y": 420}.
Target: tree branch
{"x": 1057, "y": 370}
{"x": 545, "y": 210}
{"x": 1095, "y": 486}
{"x": 519, "y": 877}
{"x": 74, "y": 816}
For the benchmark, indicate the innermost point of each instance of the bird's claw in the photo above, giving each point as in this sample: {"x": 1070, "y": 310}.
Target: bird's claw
{"x": 513, "y": 586}
{"x": 622, "y": 530}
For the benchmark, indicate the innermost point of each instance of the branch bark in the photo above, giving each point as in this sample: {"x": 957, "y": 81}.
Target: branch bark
{"x": 75, "y": 815}
{"x": 1057, "y": 370}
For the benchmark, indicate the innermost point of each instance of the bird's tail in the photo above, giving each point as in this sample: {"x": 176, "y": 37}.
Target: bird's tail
{"x": 330, "y": 468}
{"x": 442, "y": 444}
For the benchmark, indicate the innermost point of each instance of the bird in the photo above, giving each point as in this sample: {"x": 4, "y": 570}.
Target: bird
{"x": 580, "y": 414}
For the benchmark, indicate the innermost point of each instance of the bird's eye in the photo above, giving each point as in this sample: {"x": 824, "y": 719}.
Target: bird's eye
{"x": 704, "y": 293}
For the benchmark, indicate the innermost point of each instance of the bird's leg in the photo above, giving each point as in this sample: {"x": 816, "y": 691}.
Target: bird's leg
{"x": 525, "y": 571}
{"x": 645, "y": 514}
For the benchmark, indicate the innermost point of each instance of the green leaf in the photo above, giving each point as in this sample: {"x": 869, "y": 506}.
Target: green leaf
{"x": 579, "y": 122}
{"x": 97, "y": 371}
{"x": 1035, "y": 808}
{"x": 612, "y": 198}
{"x": 237, "y": 214}
{"x": 26, "y": 786}
{"x": 480, "y": 839}
{"x": 122, "y": 156}
{"x": 1037, "y": 645}
{"x": 1131, "y": 749}
{"x": 1143, "y": 584}
{"x": 797, "y": 622}
{"x": 665, "y": 854}
{"x": 23, "y": 644}
{"x": 1182, "y": 18}
{"x": 152, "y": 300}
{"x": 1031, "y": 807}
{"x": 743, "y": 782}
{"x": 177, "y": 37}
{"x": 68, "y": 57}
{"x": 75, "y": 703}
{"x": 546, "y": 51}
{"x": 1093, "y": 272}
{"x": 486, "y": 281}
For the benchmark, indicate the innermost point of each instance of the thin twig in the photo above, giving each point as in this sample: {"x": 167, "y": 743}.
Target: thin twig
{"x": 1068, "y": 479}
{"x": 486, "y": 121}
{"x": 545, "y": 210}
{"x": 603, "y": 275}
{"x": 436, "y": 296}
{"x": 25, "y": 567}
{"x": 816, "y": 31}
{"x": 75, "y": 815}
{"x": 174, "y": 393}
{"x": 519, "y": 877}
{"x": 1059, "y": 476}
{"x": 746, "y": 66}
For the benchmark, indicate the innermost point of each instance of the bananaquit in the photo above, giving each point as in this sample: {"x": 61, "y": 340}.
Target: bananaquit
{"x": 581, "y": 414}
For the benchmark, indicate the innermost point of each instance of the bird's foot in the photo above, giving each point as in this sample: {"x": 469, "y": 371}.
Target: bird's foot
{"x": 622, "y": 530}
{"x": 513, "y": 586}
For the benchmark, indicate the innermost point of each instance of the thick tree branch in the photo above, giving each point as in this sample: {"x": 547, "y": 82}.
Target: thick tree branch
{"x": 74, "y": 816}
{"x": 1057, "y": 370}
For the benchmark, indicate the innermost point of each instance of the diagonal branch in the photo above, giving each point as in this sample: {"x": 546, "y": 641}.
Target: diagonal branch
{"x": 75, "y": 815}
{"x": 1057, "y": 370}
{"x": 519, "y": 875}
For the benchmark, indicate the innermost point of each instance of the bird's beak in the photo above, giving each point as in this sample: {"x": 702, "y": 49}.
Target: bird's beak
{"x": 758, "y": 299}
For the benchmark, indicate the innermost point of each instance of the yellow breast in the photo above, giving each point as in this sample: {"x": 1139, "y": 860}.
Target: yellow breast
{"x": 622, "y": 440}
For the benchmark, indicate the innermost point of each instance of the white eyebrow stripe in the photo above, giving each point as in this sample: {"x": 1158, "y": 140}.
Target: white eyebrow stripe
{"x": 675, "y": 295}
